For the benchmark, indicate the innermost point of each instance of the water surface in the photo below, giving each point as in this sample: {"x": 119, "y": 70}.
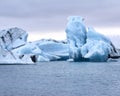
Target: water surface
{"x": 61, "y": 79}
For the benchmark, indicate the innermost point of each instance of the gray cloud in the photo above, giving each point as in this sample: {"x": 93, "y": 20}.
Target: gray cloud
{"x": 52, "y": 14}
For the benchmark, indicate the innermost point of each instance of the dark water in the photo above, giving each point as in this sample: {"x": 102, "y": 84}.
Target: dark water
{"x": 61, "y": 79}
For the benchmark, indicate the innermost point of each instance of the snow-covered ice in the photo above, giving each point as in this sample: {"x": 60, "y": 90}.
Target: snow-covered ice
{"x": 10, "y": 39}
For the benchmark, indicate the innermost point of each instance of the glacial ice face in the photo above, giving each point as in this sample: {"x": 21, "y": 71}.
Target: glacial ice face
{"x": 52, "y": 50}
{"x": 53, "y": 47}
{"x": 12, "y": 38}
{"x": 14, "y": 48}
{"x": 97, "y": 48}
{"x": 43, "y": 50}
{"x": 76, "y": 36}
{"x": 87, "y": 45}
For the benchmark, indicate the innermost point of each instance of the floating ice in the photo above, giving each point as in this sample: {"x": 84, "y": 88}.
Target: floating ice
{"x": 83, "y": 44}
{"x": 87, "y": 45}
{"x": 97, "y": 47}
{"x": 76, "y": 37}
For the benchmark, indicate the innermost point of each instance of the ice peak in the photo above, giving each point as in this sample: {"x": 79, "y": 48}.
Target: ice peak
{"x": 75, "y": 18}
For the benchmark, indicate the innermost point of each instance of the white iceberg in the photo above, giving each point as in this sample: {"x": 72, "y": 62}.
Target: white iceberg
{"x": 11, "y": 39}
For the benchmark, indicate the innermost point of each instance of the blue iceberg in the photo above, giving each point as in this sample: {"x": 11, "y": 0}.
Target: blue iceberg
{"x": 81, "y": 44}
{"x": 85, "y": 44}
{"x": 76, "y": 37}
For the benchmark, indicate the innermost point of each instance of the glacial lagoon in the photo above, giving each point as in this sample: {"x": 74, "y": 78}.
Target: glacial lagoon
{"x": 61, "y": 78}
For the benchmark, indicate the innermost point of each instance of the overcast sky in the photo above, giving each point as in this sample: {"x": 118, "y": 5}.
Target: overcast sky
{"x": 51, "y": 15}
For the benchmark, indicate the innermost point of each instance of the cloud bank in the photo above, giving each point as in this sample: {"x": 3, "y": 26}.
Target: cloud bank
{"x": 35, "y": 15}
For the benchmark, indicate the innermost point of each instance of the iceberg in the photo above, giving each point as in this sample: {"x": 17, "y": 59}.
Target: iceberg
{"x": 81, "y": 44}
{"x": 54, "y": 47}
{"x": 43, "y": 50}
{"x": 97, "y": 48}
{"x": 14, "y": 48}
{"x": 85, "y": 44}
{"x": 76, "y": 36}
{"x": 11, "y": 39}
